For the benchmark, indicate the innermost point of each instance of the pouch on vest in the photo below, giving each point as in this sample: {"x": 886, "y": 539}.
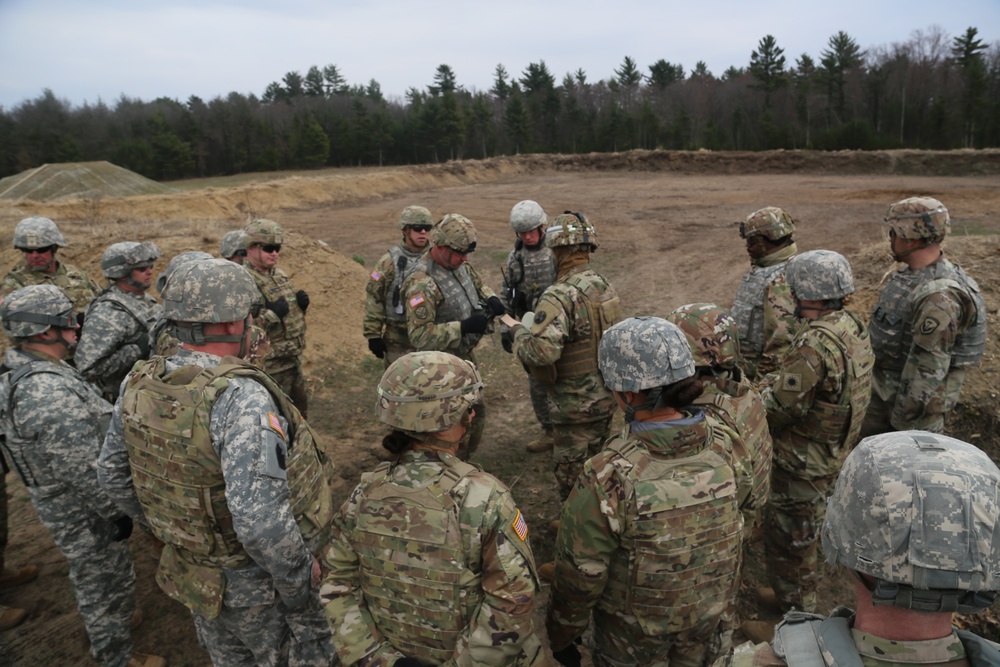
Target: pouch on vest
{"x": 198, "y": 587}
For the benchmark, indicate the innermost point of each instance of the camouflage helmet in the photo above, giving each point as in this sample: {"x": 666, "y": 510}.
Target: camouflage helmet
{"x": 37, "y": 232}
{"x": 415, "y": 215}
{"x": 711, "y": 332}
{"x": 644, "y": 353}
{"x": 176, "y": 263}
{"x": 819, "y": 275}
{"x": 920, "y": 512}
{"x": 263, "y": 232}
{"x": 32, "y": 310}
{"x": 209, "y": 291}
{"x": 770, "y": 222}
{"x": 232, "y": 242}
{"x": 919, "y": 218}
{"x": 120, "y": 258}
{"x": 527, "y": 215}
{"x": 571, "y": 229}
{"x": 456, "y": 232}
{"x": 427, "y": 392}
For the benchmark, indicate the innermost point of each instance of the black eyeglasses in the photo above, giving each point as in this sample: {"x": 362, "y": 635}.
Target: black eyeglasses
{"x": 38, "y": 251}
{"x": 421, "y": 228}
{"x": 470, "y": 249}
{"x": 271, "y": 247}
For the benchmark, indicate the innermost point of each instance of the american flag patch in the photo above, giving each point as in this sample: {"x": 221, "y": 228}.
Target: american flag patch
{"x": 275, "y": 423}
{"x": 376, "y": 276}
{"x": 416, "y": 301}
{"x": 520, "y": 526}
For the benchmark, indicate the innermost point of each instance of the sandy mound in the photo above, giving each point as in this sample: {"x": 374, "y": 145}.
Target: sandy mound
{"x": 52, "y": 182}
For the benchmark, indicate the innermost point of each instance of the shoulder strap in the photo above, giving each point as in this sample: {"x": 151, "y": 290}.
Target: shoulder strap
{"x": 796, "y": 640}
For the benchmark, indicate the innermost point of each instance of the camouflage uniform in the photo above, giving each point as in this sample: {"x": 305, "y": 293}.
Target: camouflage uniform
{"x": 73, "y": 282}
{"x": 385, "y": 317}
{"x": 287, "y": 334}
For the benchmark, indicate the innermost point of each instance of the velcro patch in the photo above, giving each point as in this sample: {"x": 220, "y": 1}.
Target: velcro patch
{"x": 928, "y": 326}
{"x": 520, "y": 526}
{"x": 376, "y": 276}
{"x": 791, "y": 382}
{"x": 416, "y": 301}
{"x": 540, "y": 316}
{"x": 275, "y": 424}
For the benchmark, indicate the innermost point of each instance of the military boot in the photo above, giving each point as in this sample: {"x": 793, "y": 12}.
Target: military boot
{"x": 758, "y": 632}
{"x": 146, "y": 660}
{"x": 554, "y": 526}
{"x": 547, "y": 571}
{"x": 768, "y": 601}
{"x": 11, "y": 578}
{"x": 11, "y": 617}
{"x": 543, "y": 443}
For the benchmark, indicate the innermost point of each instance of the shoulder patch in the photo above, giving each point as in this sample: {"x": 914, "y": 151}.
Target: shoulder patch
{"x": 791, "y": 382}
{"x": 421, "y": 313}
{"x": 929, "y": 325}
{"x": 416, "y": 301}
{"x": 275, "y": 425}
{"x": 520, "y": 526}
{"x": 376, "y": 276}
{"x": 540, "y": 316}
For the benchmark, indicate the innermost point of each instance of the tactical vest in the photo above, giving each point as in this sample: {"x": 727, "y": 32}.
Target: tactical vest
{"x": 288, "y": 338}
{"x": 892, "y": 318}
{"x": 144, "y": 311}
{"x": 748, "y": 306}
{"x": 73, "y": 282}
{"x": 404, "y": 261}
{"x": 665, "y": 583}
{"x": 178, "y": 475}
{"x": 529, "y": 274}
{"x": 426, "y": 594}
{"x": 460, "y": 298}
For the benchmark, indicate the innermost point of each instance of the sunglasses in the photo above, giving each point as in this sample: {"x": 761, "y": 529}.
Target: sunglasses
{"x": 420, "y": 228}
{"x": 38, "y": 251}
{"x": 271, "y": 247}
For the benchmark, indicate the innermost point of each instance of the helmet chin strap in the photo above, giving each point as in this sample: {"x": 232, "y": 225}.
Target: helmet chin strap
{"x": 651, "y": 403}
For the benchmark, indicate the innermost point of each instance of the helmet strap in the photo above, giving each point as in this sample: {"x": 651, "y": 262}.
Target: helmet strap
{"x": 651, "y": 403}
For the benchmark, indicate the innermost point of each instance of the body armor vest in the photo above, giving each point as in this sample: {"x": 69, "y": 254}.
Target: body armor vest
{"x": 404, "y": 261}
{"x": 665, "y": 583}
{"x": 427, "y": 594}
{"x": 892, "y": 318}
{"x": 748, "y": 306}
{"x": 529, "y": 274}
{"x": 288, "y": 338}
{"x": 460, "y": 298}
{"x": 72, "y": 281}
{"x": 144, "y": 310}
{"x": 178, "y": 475}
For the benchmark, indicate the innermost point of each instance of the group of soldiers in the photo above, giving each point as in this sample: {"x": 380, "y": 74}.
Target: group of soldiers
{"x": 735, "y": 424}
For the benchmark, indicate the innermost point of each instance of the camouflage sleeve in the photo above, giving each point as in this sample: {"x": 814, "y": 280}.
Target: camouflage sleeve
{"x": 780, "y": 325}
{"x": 114, "y": 472}
{"x": 101, "y": 353}
{"x": 245, "y": 432}
{"x": 484, "y": 290}
{"x": 9, "y": 284}
{"x": 422, "y": 297}
{"x": 542, "y": 345}
{"x": 588, "y": 538}
{"x": 378, "y": 282}
{"x": 790, "y": 392}
{"x": 923, "y": 388}
{"x": 508, "y": 275}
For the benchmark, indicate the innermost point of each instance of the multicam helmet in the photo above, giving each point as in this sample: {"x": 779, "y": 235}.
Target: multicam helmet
{"x": 644, "y": 353}
{"x": 456, "y": 232}
{"x": 427, "y": 392}
{"x": 820, "y": 275}
{"x": 527, "y": 215}
{"x": 711, "y": 332}
{"x": 571, "y": 229}
{"x": 121, "y": 258}
{"x": 37, "y": 232}
{"x": 770, "y": 222}
{"x": 919, "y": 218}
{"x": 263, "y": 232}
{"x": 209, "y": 291}
{"x": 176, "y": 263}
{"x": 232, "y": 243}
{"x": 415, "y": 215}
{"x": 32, "y": 310}
{"x": 920, "y": 512}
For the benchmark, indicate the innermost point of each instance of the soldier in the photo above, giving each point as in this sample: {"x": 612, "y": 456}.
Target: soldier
{"x": 815, "y": 402}
{"x": 233, "y": 246}
{"x": 430, "y": 517}
{"x": 914, "y": 518}
{"x": 208, "y": 453}
{"x": 928, "y": 326}
{"x": 558, "y": 344}
{"x": 39, "y": 239}
{"x": 284, "y": 315}
{"x": 649, "y": 541}
{"x": 53, "y": 423}
{"x": 163, "y": 343}
{"x": 763, "y": 307}
{"x": 119, "y": 320}
{"x": 447, "y": 302}
{"x": 385, "y": 317}
{"x": 530, "y": 269}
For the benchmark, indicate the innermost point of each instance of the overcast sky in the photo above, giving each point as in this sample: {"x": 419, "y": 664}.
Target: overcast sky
{"x": 90, "y": 50}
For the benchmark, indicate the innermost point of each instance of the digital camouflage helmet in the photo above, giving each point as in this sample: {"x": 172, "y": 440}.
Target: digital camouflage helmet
{"x": 643, "y": 353}
{"x": 427, "y": 392}
{"x": 711, "y": 332}
{"x": 37, "y": 232}
{"x": 32, "y": 310}
{"x": 176, "y": 263}
{"x": 121, "y": 258}
{"x": 770, "y": 222}
{"x": 208, "y": 291}
{"x": 415, "y": 215}
{"x": 263, "y": 232}
{"x": 456, "y": 232}
{"x": 570, "y": 229}
{"x": 918, "y": 218}
{"x": 232, "y": 243}
{"x": 919, "y": 512}
{"x": 527, "y": 215}
{"x": 819, "y": 275}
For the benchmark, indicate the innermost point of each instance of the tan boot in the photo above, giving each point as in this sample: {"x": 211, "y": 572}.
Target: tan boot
{"x": 768, "y": 600}
{"x": 554, "y": 525}
{"x": 758, "y": 632}
{"x": 11, "y": 617}
{"x": 146, "y": 660}
{"x": 11, "y": 578}
{"x": 542, "y": 443}
{"x": 547, "y": 571}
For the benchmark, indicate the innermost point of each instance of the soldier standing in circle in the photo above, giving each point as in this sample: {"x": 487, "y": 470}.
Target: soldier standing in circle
{"x": 558, "y": 344}
{"x": 649, "y": 540}
{"x": 284, "y": 315}
{"x": 210, "y": 454}
{"x": 448, "y": 306}
{"x": 163, "y": 343}
{"x": 53, "y": 423}
{"x": 233, "y": 246}
{"x": 430, "y": 517}
{"x": 763, "y": 307}
{"x": 816, "y": 402}
{"x": 928, "y": 326}
{"x": 914, "y": 519}
{"x": 385, "y": 315}
{"x": 119, "y": 320}
{"x": 530, "y": 269}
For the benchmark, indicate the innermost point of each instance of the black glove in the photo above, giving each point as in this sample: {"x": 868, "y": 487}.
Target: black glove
{"x": 496, "y": 305}
{"x": 475, "y": 324}
{"x": 569, "y": 656}
{"x": 123, "y": 528}
{"x": 302, "y": 299}
{"x": 507, "y": 340}
{"x": 279, "y": 307}
{"x": 143, "y": 344}
{"x": 407, "y": 662}
{"x": 377, "y": 347}
{"x": 79, "y": 318}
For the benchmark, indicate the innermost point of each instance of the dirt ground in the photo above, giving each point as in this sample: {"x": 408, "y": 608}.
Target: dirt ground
{"x": 666, "y": 238}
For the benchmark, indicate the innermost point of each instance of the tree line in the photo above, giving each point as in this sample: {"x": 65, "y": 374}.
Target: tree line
{"x": 932, "y": 91}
